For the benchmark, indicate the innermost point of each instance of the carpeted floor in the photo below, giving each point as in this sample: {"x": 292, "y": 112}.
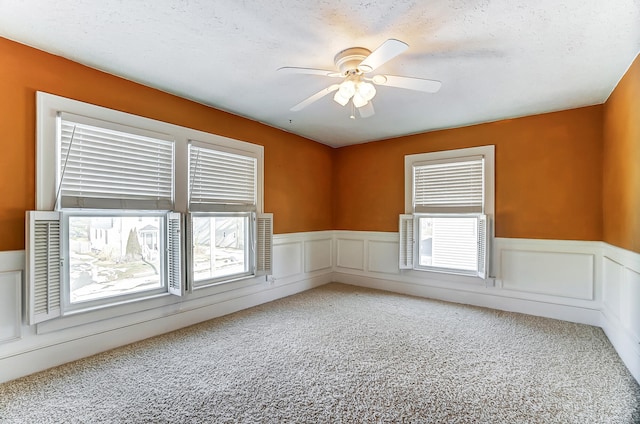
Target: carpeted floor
{"x": 342, "y": 354}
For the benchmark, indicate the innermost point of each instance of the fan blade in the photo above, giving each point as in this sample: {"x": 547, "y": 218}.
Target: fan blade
{"x": 320, "y": 94}
{"x": 312, "y": 71}
{"x": 366, "y": 110}
{"x": 409, "y": 83}
{"x": 387, "y": 51}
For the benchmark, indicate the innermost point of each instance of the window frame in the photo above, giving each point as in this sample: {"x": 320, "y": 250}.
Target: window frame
{"x": 413, "y": 249}
{"x": 65, "y": 289}
{"x": 250, "y": 257}
{"x": 227, "y": 206}
{"x": 49, "y": 107}
{"x": 431, "y": 268}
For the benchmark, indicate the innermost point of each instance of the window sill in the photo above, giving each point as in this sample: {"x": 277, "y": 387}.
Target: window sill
{"x": 93, "y": 315}
{"x": 443, "y": 277}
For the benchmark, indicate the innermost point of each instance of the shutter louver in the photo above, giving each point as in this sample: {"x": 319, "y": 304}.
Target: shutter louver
{"x": 111, "y": 169}
{"x": 188, "y": 243}
{"x": 449, "y": 187}
{"x": 221, "y": 181}
{"x": 174, "y": 259}
{"x": 406, "y": 242}
{"x": 43, "y": 263}
{"x": 264, "y": 241}
{"x": 483, "y": 241}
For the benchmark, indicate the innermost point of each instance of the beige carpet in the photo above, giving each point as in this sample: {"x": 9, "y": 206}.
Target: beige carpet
{"x": 341, "y": 354}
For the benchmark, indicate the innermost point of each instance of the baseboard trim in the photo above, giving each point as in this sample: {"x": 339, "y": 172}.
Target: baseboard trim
{"x": 490, "y": 300}
{"x": 45, "y": 357}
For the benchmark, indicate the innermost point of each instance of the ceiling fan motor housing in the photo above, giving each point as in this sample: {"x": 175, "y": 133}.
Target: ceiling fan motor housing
{"x": 348, "y": 60}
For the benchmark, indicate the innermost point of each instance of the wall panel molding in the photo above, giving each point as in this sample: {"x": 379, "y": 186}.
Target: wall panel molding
{"x": 10, "y": 306}
{"x": 587, "y": 282}
{"x": 350, "y": 253}
{"x": 621, "y": 304}
{"x": 69, "y": 338}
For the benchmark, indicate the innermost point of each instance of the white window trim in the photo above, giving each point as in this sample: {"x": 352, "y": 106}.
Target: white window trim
{"x": 48, "y": 107}
{"x": 489, "y": 173}
{"x": 488, "y": 153}
{"x": 68, "y": 307}
{"x": 194, "y": 284}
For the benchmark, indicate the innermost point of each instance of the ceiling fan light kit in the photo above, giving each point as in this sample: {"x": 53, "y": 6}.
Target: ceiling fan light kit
{"x": 353, "y": 64}
{"x": 356, "y": 88}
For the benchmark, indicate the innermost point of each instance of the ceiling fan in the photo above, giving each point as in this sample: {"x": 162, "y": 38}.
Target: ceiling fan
{"x": 354, "y": 64}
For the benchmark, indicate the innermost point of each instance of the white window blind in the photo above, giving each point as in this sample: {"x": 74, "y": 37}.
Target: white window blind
{"x": 451, "y": 243}
{"x": 455, "y": 243}
{"x": 449, "y": 186}
{"x": 221, "y": 181}
{"x": 103, "y": 167}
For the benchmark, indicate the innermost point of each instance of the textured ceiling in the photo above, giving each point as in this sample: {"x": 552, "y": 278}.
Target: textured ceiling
{"x": 496, "y": 58}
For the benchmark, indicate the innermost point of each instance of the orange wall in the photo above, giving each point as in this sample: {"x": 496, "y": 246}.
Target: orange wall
{"x": 297, "y": 170}
{"x": 548, "y": 175}
{"x": 621, "y": 169}
{"x": 549, "y": 168}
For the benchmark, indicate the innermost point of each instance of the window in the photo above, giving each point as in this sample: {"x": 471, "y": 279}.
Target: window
{"x": 449, "y": 199}
{"x": 114, "y": 193}
{"x": 222, "y": 218}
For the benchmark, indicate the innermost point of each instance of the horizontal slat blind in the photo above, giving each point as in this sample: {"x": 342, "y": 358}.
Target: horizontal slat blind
{"x": 221, "y": 181}
{"x": 449, "y": 187}
{"x": 105, "y": 168}
{"x": 455, "y": 243}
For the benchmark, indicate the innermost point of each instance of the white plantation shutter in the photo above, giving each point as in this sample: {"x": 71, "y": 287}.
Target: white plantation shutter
{"x": 449, "y": 186}
{"x": 107, "y": 166}
{"x": 483, "y": 247}
{"x": 221, "y": 181}
{"x": 174, "y": 250}
{"x": 188, "y": 243}
{"x": 406, "y": 241}
{"x": 43, "y": 266}
{"x": 264, "y": 244}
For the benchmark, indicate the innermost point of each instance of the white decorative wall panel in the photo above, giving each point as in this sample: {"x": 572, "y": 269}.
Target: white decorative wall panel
{"x": 613, "y": 274}
{"x": 350, "y": 254}
{"x": 317, "y": 255}
{"x": 10, "y": 301}
{"x": 287, "y": 259}
{"x": 383, "y": 257}
{"x": 621, "y": 304}
{"x": 630, "y": 302}
{"x": 551, "y": 273}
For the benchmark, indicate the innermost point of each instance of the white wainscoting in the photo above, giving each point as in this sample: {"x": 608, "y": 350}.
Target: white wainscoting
{"x": 580, "y": 281}
{"x": 586, "y": 282}
{"x": 621, "y": 304}
{"x": 557, "y": 279}
{"x": 10, "y": 306}
{"x": 556, "y": 268}
{"x": 301, "y": 261}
